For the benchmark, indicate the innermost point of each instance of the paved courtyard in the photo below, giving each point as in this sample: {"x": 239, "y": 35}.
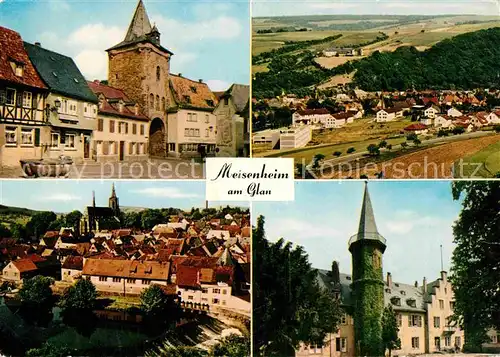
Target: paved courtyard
{"x": 146, "y": 169}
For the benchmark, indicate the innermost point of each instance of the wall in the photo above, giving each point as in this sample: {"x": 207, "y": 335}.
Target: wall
{"x": 10, "y": 272}
{"x": 178, "y": 137}
{"x": 140, "y": 141}
{"x": 122, "y": 286}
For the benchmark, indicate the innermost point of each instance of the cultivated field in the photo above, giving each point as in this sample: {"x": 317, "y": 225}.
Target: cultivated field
{"x": 435, "y": 162}
{"x": 488, "y": 159}
{"x": 331, "y": 62}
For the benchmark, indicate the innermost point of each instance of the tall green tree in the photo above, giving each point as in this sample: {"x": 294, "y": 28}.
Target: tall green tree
{"x": 39, "y": 223}
{"x": 232, "y": 345}
{"x": 390, "y": 330}
{"x": 36, "y": 291}
{"x": 154, "y": 301}
{"x": 476, "y": 260}
{"x": 80, "y": 296}
{"x": 289, "y": 306}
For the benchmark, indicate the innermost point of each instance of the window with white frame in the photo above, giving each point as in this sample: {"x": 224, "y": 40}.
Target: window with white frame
{"x": 27, "y": 136}
{"x": 197, "y": 132}
{"x": 215, "y": 291}
{"x": 10, "y": 98}
{"x": 186, "y": 132}
{"x": 343, "y": 319}
{"x": 19, "y": 70}
{"x": 64, "y": 106}
{"x": 191, "y": 132}
{"x": 206, "y": 132}
{"x": 54, "y": 140}
{"x": 192, "y": 117}
{"x": 27, "y": 99}
{"x": 72, "y": 107}
{"x": 11, "y": 136}
{"x": 70, "y": 141}
{"x": 414, "y": 342}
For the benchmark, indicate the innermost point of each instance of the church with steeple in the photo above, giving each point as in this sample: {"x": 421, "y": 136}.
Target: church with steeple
{"x": 95, "y": 217}
{"x": 180, "y": 109}
{"x": 422, "y": 310}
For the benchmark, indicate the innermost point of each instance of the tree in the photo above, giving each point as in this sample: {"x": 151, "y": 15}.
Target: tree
{"x": 39, "y": 223}
{"x": 390, "y": 330}
{"x": 49, "y": 350}
{"x": 351, "y": 150}
{"x": 167, "y": 350}
{"x": 411, "y": 137}
{"x": 417, "y": 142}
{"x": 496, "y": 128}
{"x": 18, "y": 231}
{"x": 232, "y": 345}
{"x": 476, "y": 260}
{"x": 5, "y": 232}
{"x": 80, "y": 296}
{"x": 153, "y": 300}
{"x": 313, "y": 104}
{"x": 150, "y": 218}
{"x": 382, "y": 144}
{"x": 373, "y": 150}
{"x": 289, "y": 306}
{"x": 317, "y": 159}
{"x": 73, "y": 218}
{"x": 389, "y": 147}
{"x": 36, "y": 291}
{"x": 404, "y": 145}
{"x": 337, "y": 153}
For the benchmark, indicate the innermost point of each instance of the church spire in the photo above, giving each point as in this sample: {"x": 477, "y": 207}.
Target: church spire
{"x": 113, "y": 192}
{"x": 367, "y": 229}
{"x": 140, "y": 25}
{"x": 93, "y": 199}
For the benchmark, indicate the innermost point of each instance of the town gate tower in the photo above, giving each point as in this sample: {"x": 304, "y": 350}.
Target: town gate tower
{"x": 140, "y": 66}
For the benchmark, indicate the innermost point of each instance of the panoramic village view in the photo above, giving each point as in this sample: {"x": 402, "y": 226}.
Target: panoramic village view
{"x": 115, "y": 109}
{"x": 94, "y": 270}
{"x": 370, "y": 281}
{"x": 367, "y": 96}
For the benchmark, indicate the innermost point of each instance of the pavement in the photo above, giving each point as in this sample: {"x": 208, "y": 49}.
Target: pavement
{"x": 169, "y": 168}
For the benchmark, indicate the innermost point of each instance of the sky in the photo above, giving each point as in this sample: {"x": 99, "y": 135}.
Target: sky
{"x": 414, "y": 217}
{"x": 63, "y": 196}
{"x": 264, "y": 8}
{"x": 209, "y": 38}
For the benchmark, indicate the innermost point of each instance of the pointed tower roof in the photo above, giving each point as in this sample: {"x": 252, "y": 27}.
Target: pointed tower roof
{"x": 367, "y": 229}
{"x": 113, "y": 192}
{"x": 141, "y": 31}
{"x": 140, "y": 25}
{"x": 226, "y": 259}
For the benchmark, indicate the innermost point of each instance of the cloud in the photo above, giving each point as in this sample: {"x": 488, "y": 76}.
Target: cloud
{"x": 61, "y": 197}
{"x": 217, "y": 85}
{"x": 222, "y": 27}
{"x": 295, "y": 229}
{"x": 165, "y": 192}
{"x": 182, "y": 60}
{"x": 407, "y": 221}
{"x": 92, "y": 63}
{"x": 95, "y": 36}
{"x": 59, "y": 5}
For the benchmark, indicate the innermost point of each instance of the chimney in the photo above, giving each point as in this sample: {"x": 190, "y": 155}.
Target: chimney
{"x": 335, "y": 272}
{"x": 416, "y": 284}
{"x": 424, "y": 283}
{"x": 38, "y": 44}
{"x": 389, "y": 279}
{"x": 136, "y": 109}
{"x": 443, "y": 276}
{"x": 180, "y": 74}
{"x": 200, "y": 80}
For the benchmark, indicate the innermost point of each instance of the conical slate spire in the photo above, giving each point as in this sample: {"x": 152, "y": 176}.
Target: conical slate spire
{"x": 113, "y": 192}
{"x": 367, "y": 229}
{"x": 140, "y": 25}
{"x": 367, "y": 219}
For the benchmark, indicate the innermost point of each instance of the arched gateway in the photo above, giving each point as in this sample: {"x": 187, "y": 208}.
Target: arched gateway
{"x": 157, "y": 134}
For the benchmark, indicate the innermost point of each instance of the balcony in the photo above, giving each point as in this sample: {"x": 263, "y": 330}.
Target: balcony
{"x": 367, "y": 236}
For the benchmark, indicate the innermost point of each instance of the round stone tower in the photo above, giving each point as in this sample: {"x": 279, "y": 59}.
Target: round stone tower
{"x": 367, "y": 248}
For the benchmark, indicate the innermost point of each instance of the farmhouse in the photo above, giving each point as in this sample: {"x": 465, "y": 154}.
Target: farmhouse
{"x": 443, "y": 121}
{"x": 389, "y": 114}
{"x": 417, "y": 128}
{"x": 342, "y": 51}
{"x": 432, "y": 111}
{"x": 453, "y": 112}
{"x": 494, "y": 117}
{"x": 479, "y": 119}
{"x": 310, "y": 116}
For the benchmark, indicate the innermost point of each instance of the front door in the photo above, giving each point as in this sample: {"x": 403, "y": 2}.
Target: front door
{"x": 437, "y": 343}
{"x": 122, "y": 150}
{"x": 86, "y": 147}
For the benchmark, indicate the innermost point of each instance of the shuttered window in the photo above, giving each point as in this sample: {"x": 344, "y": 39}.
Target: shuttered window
{"x": 111, "y": 126}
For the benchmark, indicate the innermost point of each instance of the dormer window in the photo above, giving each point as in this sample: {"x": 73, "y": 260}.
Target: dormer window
{"x": 411, "y": 302}
{"x": 18, "y": 68}
{"x": 193, "y": 89}
{"x": 396, "y": 301}
{"x": 187, "y": 99}
{"x": 210, "y": 103}
{"x": 403, "y": 292}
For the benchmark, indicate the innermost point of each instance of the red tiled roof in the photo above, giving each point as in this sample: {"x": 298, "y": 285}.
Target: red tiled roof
{"x": 24, "y": 265}
{"x": 313, "y": 111}
{"x": 127, "y": 269}
{"x": 342, "y": 115}
{"x": 187, "y": 276}
{"x": 12, "y": 50}
{"x": 73, "y": 262}
{"x": 189, "y": 93}
{"x": 416, "y": 126}
{"x": 109, "y": 103}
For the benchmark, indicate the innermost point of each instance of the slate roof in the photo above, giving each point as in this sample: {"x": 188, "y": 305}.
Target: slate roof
{"x": 60, "y": 73}
{"x": 139, "y": 29}
{"x": 404, "y": 292}
{"x": 192, "y": 94}
{"x": 240, "y": 93}
{"x": 12, "y": 49}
